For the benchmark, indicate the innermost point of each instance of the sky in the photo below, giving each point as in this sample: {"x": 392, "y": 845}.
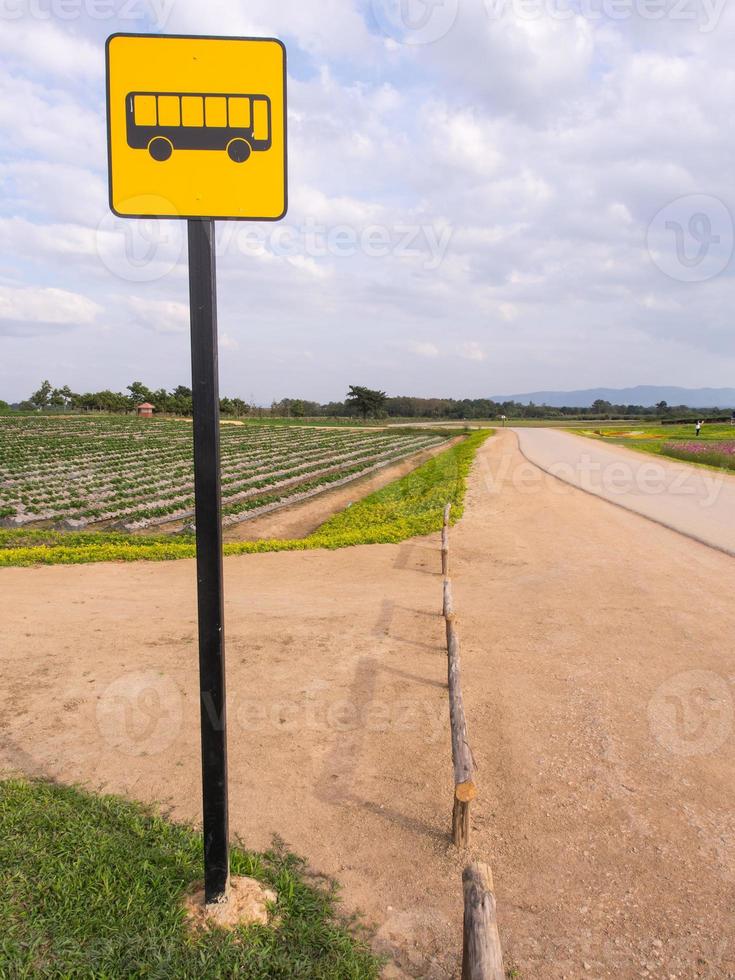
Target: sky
{"x": 485, "y": 197}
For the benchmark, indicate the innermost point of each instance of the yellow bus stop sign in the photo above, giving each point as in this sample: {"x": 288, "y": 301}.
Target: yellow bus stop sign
{"x": 196, "y": 127}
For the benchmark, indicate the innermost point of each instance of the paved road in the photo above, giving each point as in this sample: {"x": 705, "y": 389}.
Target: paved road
{"x": 692, "y": 500}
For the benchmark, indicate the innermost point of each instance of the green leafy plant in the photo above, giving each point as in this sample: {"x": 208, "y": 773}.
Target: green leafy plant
{"x": 408, "y": 507}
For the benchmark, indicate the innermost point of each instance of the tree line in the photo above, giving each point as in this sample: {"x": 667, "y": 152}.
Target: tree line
{"x": 360, "y": 402}
{"x": 368, "y": 403}
{"x": 175, "y": 402}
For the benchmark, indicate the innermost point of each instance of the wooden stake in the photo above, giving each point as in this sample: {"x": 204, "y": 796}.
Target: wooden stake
{"x": 482, "y": 955}
{"x": 445, "y": 551}
{"x": 447, "y": 512}
{"x": 460, "y": 821}
{"x": 462, "y": 758}
{"x": 448, "y": 605}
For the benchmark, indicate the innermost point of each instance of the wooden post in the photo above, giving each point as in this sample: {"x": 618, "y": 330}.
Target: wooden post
{"x": 482, "y": 956}
{"x": 462, "y": 758}
{"x": 448, "y": 604}
{"x": 445, "y": 551}
{"x": 445, "y": 540}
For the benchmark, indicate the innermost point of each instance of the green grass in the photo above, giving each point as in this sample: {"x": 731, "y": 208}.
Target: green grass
{"x": 93, "y": 886}
{"x": 406, "y": 508}
{"x": 661, "y": 440}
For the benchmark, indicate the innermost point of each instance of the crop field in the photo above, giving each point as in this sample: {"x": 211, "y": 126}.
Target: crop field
{"x": 714, "y": 447}
{"x": 128, "y": 474}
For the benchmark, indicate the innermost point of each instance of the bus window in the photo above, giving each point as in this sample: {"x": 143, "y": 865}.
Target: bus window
{"x": 215, "y": 110}
{"x": 260, "y": 119}
{"x": 145, "y": 110}
{"x": 239, "y": 113}
{"x": 168, "y": 110}
{"x": 192, "y": 110}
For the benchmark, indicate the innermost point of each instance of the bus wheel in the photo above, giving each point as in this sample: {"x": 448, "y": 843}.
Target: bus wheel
{"x": 160, "y": 148}
{"x": 238, "y": 150}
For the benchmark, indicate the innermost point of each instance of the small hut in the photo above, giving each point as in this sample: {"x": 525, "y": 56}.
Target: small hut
{"x": 145, "y": 410}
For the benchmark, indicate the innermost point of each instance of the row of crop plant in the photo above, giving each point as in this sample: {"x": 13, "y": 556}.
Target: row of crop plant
{"x": 134, "y": 474}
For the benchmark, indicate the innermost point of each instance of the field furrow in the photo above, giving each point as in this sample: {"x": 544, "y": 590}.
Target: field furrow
{"x": 130, "y": 473}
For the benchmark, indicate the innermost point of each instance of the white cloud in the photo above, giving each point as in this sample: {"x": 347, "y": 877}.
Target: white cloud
{"x": 472, "y": 351}
{"x": 47, "y": 49}
{"x": 33, "y": 307}
{"x": 421, "y": 348}
{"x": 161, "y": 316}
{"x": 543, "y": 146}
{"x": 308, "y": 265}
{"x": 332, "y": 30}
{"x": 46, "y": 122}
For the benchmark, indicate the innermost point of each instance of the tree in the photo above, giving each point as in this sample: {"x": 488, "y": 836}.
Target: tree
{"x": 104, "y": 401}
{"x": 366, "y": 401}
{"x": 180, "y": 401}
{"x": 160, "y": 398}
{"x": 601, "y": 407}
{"x": 42, "y": 397}
{"x": 662, "y": 408}
{"x": 139, "y": 393}
{"x": 67, "y": 396}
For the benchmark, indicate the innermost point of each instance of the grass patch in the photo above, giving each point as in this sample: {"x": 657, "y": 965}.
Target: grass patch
{"x": 406, "y": 508}
{"x": 673, "y": 441}
{"x": 718, "y": 455}
{"x": 92, "y": 887}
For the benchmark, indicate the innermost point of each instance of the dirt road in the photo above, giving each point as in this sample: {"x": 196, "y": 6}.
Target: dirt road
{"x": 694, "y": 500}
{"x": 597, "y": 657}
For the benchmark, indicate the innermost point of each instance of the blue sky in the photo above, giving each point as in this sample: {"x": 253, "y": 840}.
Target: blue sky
{"x": 485, "y": 196}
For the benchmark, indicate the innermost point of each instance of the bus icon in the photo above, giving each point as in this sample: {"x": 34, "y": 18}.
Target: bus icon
{"x": 162, "y": 122}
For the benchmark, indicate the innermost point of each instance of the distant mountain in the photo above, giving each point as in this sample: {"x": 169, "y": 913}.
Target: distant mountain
{"x": 645, "y": 395}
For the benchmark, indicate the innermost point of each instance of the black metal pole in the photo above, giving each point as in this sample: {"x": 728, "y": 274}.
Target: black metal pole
{"x": 208, "y": 510}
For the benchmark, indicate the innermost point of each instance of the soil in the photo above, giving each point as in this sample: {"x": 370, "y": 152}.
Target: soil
{"x": 597, "y": 663}
{"x": 247, "y": 903}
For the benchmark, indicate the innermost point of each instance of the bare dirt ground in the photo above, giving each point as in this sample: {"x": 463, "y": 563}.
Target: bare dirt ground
{"x": 597, "y": 665}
